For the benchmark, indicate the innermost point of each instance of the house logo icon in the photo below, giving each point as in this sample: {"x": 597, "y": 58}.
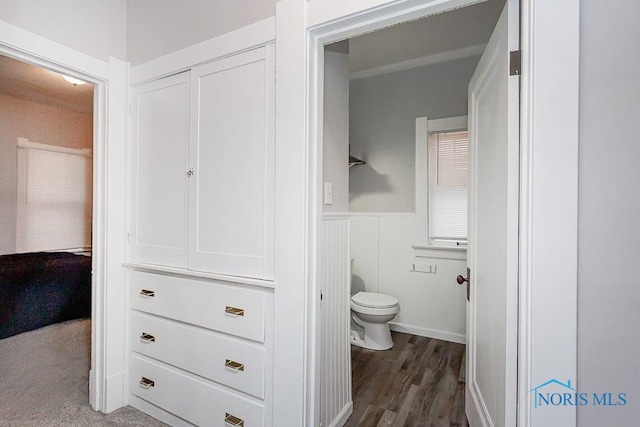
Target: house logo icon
{"x": 545, "y": 398}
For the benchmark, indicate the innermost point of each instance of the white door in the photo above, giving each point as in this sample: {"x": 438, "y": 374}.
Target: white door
{"x": 158, "y": 231}
{"x": 493, "y": 230}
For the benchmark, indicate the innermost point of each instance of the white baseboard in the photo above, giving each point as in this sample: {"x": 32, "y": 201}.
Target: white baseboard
{"x": 430, "y": 333}
{"x": 115, "y": 397}
{"x": 343, "y": 416}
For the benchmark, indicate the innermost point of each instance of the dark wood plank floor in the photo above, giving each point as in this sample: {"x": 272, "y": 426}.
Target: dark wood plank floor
{"x": 418, "y": 382}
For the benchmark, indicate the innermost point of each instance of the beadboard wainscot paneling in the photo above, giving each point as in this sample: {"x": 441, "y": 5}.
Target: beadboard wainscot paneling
{"x": 335, "y": 375}
{"x": 431, "y": 304}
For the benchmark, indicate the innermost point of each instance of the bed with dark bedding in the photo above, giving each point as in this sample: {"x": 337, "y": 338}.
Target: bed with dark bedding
{"x": 41, "y": 288}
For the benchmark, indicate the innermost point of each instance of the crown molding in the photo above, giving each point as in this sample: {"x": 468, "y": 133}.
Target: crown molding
{"x": 436, "y": 58}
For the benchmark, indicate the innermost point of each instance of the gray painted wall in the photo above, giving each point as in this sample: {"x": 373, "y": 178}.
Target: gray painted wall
{"x": 158, "y": 27}
{"x": 94, "y": 27}
{"x": 609, "y": 208}
{"x": 336, "y": 129}
{"x": 382, "y": 113}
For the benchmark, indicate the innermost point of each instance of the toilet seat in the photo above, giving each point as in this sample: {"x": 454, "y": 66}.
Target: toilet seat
{"x": 374, "y": 300}
{"x": 374, "y": 304}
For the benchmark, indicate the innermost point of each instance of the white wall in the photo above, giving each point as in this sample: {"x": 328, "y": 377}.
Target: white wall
{"x": 158, "y": 27}
{"x": 430, "y": 304}
{"x": 336, "y": 129}
{"x": 94, "y": 27}
{"x": 609, "y": 202}
{"x": 383, "y": 110}
{"x": 38, "y": 123}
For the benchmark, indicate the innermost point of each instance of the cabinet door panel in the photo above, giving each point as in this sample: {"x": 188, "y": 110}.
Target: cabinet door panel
{"x": 159, "y": 196}
{"x": 232, "y": 189}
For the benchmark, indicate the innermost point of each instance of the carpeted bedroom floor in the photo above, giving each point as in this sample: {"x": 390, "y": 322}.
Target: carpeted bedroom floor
{"x": 44, "y": 381}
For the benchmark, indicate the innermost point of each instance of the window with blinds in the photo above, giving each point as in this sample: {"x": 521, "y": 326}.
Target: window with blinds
{"x": 448, "y": 176}
{"x": 54, "y": 198}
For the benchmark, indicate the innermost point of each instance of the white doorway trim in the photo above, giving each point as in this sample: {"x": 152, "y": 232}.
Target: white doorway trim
{"x": 325, "y": 27}
{"x": 107, "y": 336}
{"x": 548, "y": 188}
{"x": 548, "y": 319}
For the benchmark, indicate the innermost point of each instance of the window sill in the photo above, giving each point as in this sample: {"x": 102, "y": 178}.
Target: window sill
{"x": 440, "y": 252}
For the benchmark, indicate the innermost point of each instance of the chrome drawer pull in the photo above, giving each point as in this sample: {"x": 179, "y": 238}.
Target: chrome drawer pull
{"x": 235, "y": 311}
{"x": 234, "y": 365}
{"x": 147, "y": 294}
{"x": 233, "y": 421}
{"x": 146, "y": 383}
{"x": 145, "y": 337}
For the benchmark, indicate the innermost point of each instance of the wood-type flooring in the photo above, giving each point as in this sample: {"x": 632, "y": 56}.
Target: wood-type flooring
{"x": 418, "y": 382}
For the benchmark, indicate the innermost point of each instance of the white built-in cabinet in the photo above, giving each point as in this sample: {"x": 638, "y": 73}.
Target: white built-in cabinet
{"x": 203, "y": 168}
{"x": 200, "y": 262}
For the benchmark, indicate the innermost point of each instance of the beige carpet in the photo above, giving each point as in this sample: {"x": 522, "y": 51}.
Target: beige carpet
{"x": 44, "y": 381}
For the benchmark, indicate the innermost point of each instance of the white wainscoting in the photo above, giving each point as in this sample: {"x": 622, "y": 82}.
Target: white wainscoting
{"x": 335, "y": 375}
{"x": 431, "y": 304}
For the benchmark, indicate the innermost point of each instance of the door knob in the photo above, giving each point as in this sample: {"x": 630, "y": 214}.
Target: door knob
{"x": 461, "y": 279}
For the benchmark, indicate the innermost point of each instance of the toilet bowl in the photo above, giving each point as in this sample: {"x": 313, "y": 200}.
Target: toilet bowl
{"x": 370, "y": 314}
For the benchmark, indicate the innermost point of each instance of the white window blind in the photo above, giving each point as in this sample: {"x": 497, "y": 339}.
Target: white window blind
{"x": 54, "y": 198}
{"x": 448, "y": 186}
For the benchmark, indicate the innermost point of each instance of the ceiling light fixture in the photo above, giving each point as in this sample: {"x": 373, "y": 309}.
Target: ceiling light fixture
{"x": 73, "y": 80}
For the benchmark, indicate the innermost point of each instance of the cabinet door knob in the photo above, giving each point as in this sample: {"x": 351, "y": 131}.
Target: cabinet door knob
{"x": 191, "y": 171}
{"x": 236, "y": 366}
{"x": 232, "y": 420}
{"x": 234, "y": 310}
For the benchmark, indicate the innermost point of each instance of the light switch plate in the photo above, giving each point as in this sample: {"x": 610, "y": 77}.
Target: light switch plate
{"x": 328, "y": 194}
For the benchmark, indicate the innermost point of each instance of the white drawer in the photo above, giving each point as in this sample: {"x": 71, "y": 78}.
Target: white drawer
{"x": 213, "y": 356}
{"x": 191, "y": 399}
{"x": 233, "y": 310}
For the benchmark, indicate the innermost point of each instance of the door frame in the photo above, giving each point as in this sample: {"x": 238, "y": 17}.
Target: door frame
{"x": 106, "y": 377}
{"x": 548, "y": 180}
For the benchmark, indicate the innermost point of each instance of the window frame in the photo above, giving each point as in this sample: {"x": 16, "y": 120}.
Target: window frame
{"x": 424, "y": 128}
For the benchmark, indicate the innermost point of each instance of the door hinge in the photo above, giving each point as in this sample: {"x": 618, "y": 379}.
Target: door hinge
{"x": 130, "y": 109}
{"x": 128, "y": 237}
{"x": 320, "y": 296}
{"x": 515, "y": 63}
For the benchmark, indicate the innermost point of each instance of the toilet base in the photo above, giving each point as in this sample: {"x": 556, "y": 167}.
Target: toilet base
{"x": 376, "y": 337}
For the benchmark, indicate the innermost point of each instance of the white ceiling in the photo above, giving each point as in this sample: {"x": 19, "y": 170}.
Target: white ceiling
{"x": 450, "y": 35}
{"x": 26, "y": 81}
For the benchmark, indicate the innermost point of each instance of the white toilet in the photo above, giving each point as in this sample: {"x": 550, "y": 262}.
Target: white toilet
{"x": 370, "y": 314}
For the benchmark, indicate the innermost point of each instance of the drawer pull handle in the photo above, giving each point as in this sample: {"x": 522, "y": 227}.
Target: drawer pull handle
{"x": 145, "y": 337}
{"x": 147, "y": 383}
{"x": 234, "y": 365}
{"x": 233, "y": 420}
{"x": 235, "y": 311}
{"x": 147, "y": 293}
